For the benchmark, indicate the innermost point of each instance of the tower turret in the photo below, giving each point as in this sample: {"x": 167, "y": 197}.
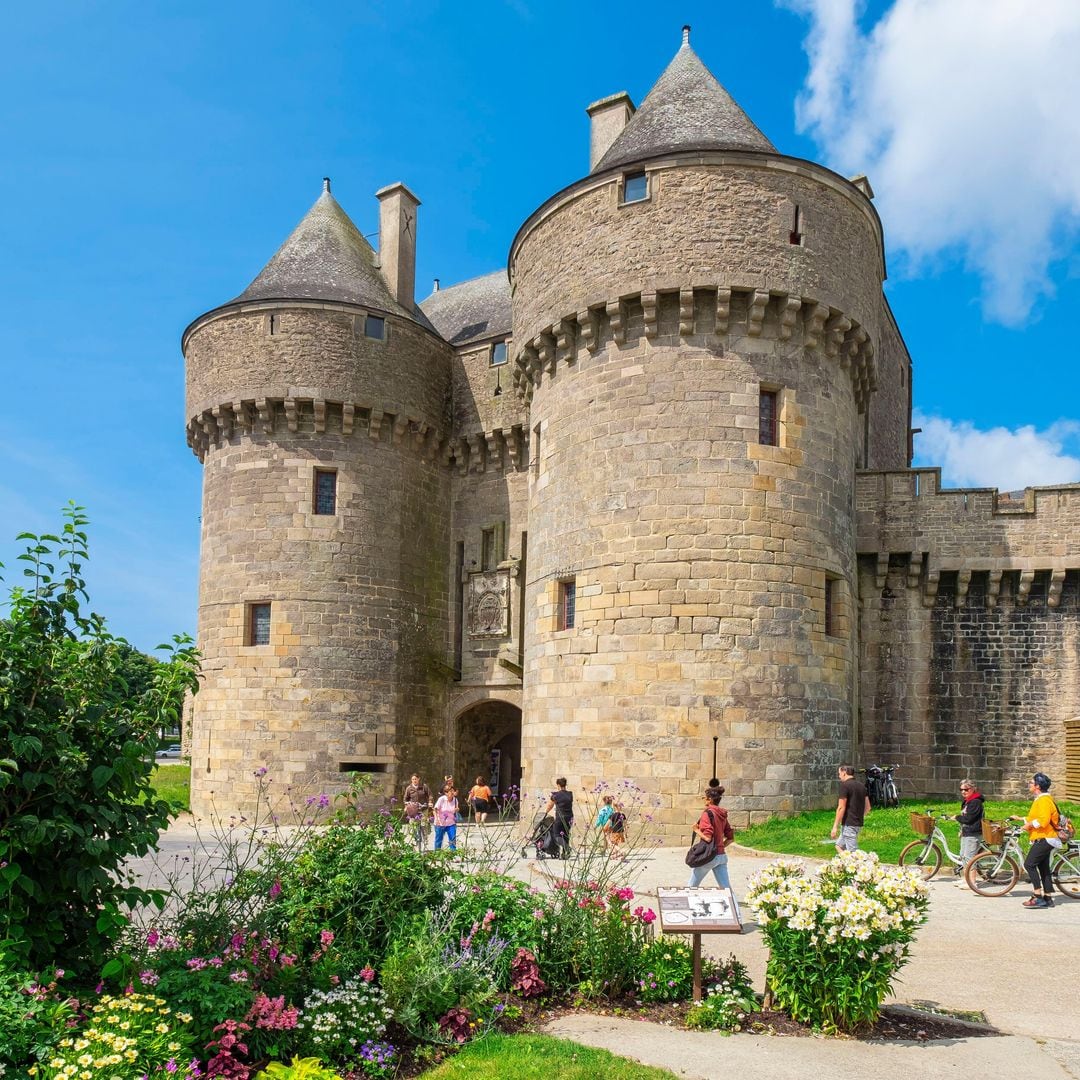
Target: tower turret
{"x": 318, "y": 405}
{"x": 696, "y": 326}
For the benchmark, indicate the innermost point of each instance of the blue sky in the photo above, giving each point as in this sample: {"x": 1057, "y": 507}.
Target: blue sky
{"x": 154, "y": 156}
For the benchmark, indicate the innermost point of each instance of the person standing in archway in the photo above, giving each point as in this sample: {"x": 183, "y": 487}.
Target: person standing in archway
{"x": 479, "y": 798}
{"x": 561, "y": 804}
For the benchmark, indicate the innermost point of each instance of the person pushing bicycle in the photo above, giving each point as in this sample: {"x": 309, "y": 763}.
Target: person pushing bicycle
{"x": 970, "y": 819}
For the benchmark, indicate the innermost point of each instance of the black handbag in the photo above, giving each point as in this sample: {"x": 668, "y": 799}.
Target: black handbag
{"x": 703, "y": 851}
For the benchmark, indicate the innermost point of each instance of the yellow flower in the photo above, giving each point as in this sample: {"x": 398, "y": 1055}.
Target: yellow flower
{"x": 162, "y": 1029}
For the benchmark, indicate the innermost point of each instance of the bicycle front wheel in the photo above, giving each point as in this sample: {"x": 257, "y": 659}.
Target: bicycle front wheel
{"x": 892, "y": 796}
{"x": 919, "y": 855}
{"x": 990, "y": 874}
{"x": 1067, "y": 873}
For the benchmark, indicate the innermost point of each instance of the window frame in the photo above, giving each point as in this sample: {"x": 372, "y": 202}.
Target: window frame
{"x": 252, "y": 622}
{"x": 641, "y": 174}
{"x": 381, "y": 320}
{"x": 317, "y": 475}
{"x": 567, "y": 607}
{"x": 769, "y": 394}
{"x": 832, "y": 628}
{"x": 492, "y": 362}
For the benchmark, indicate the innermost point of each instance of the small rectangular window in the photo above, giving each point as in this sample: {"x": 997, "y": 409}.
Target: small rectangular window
{"x": 325, "y": 494}
{"x": 375, "y": 327}
{"x": 498, "y": 353}
{"x": 567, "y": 604}
{"x": 635, "y": 187}
{"x": 830, "y": 606}
{"x": 489, "y": 548}
{"x": 795, "y": 236}
{"x": 768, "y": 416}
{"x": 258, "y": 624}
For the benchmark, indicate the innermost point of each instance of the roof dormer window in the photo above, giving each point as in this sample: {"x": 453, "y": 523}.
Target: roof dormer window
{"x": 635, "y": 187}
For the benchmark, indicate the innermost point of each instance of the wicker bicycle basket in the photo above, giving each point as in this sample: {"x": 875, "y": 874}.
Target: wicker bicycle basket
{"x": 921, "y": 823}
{"x": 993, "y": 831}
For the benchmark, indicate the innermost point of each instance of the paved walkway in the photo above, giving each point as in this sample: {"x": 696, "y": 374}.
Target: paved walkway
{"x": 1019, "y": 967}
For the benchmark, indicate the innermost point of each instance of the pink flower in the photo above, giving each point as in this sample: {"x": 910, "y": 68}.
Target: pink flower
{"x": 196, "y": 963}
{"x": 625, "y": 894}
{"x": 275, "y": 889}
{"x": 538, "y": 913}
{"x": 148, "y": 978}
{"x": 367, "y": 974}
{"x": 326, "y": 938}
{"x": 152, "y": 938}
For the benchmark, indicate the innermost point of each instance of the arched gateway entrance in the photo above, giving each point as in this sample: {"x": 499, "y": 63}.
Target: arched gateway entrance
{"x": 487, "y": 743}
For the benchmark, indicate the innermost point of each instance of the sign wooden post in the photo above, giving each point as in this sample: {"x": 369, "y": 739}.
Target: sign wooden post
{"x": 696, "y": 912}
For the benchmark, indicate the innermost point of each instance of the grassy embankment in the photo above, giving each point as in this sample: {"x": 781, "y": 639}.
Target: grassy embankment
{"x": 887, "y": 831}
{"x": 540, "y": 1057}
{"x": 172, "y": 783}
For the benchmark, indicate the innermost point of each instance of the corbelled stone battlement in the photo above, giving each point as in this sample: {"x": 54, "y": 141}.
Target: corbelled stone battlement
{"x": 699, "y": 310}
{"x": 967, "y": 532}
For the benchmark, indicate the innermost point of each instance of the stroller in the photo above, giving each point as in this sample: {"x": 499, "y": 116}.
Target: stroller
{"x": 543, "y": 841}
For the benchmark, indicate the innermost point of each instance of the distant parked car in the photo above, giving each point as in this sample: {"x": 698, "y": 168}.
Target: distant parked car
{"x": 170, "y": 751}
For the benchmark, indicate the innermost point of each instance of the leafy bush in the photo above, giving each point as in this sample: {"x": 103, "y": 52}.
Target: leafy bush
{"x": 75, "y": 793}
{"x": 337, "y": 1023}
{"x": 729, "y": 1000}
{"x": 298, "y": 1069}
{"x": 124, "y": 1038}
{"x": 33, "y": 1015}
{"x": 666, "y": 971}
{"x": 427, "y": 973}
{"x": 837, "y": 940}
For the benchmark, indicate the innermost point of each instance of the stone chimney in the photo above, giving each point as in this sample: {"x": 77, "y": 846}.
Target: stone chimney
{"x": 609, "y": 116}
{"x": 397, "y": 242}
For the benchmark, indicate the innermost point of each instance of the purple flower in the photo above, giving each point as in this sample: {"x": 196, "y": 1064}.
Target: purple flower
{"x": 148, "y": 978}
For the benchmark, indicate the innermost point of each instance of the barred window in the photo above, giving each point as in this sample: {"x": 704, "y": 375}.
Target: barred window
{"x": 325, "y": 492}
{"x": 768, "y": 415}
{"x": 567, "y": 604}
{"x": 258, "y": 624}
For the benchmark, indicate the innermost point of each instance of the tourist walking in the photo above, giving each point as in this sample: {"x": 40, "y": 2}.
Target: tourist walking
{"x": 713, "y": 824}
{"x": 971, "y": 819}
{"x": 1041, "y": 823}
{"x": 561, "y": 804}
{"x": 851, "y": 810}
{"x": 446, "y": 814}
{"x": 479, "y": 799}
{"x": 417, "y": 803}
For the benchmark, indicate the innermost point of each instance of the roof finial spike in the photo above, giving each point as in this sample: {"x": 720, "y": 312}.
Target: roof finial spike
{"x": 326, "y": 183}
{"x": 686, "y": 34}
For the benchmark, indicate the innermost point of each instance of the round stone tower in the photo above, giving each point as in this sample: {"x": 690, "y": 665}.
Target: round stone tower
{"x": 317, "y": 401}
{"x": 694, "y": 326}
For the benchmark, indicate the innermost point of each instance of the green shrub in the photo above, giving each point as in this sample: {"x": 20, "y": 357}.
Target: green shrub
{"x": 75, "y": 794}
{"x": 298, "y": 1069}
{"x": 666, "y": 971}
{"x": 729, "y": 1001}
{"x": 836, "y": 940}
{"x": 33, "y": 1014}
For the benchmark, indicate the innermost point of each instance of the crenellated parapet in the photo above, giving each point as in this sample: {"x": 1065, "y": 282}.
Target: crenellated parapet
{"x": 1017, "y": 542}
{"x": 700, "y": 310}
{"x": 501, "y": 449}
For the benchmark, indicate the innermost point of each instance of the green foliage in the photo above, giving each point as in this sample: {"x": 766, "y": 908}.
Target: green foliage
{"x": 360, "y": 881}
{"x": 32, "y": 1015}
{"x": 427, "y": 973}
{"x": 127, "y": 1038}
{"x": 298, "y": 1069}
{"x": 837, "y": 940}
{"x": 335, "y": 1023}
{"x": 665, "y": 971}
{"x": 541, "y": 1057}
{"x": 729, "y": 1000}
{"x": 75, "y": 796}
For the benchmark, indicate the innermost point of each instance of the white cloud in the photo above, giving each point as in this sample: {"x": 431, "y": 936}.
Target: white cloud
{"x": 963, "y": 114}
{"x": 1002, "y": 458}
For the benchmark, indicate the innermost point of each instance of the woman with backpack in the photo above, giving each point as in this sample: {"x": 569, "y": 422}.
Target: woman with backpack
{"x": 713, "y": 823}
{"x": 1042, "y": 829}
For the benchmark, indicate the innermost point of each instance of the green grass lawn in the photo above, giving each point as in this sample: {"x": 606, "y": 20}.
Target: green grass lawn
{"x": 173, "y": 783}
{"x": 541, "y": 1057}
{"x": 886, "y": 831}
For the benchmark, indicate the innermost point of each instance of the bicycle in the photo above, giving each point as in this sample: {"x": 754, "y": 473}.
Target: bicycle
{"x": 927, "y": 854}
{"x": 995, "y": 873}
{"x": 881, "y": 787}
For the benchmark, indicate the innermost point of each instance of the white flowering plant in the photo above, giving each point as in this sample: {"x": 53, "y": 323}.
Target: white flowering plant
{"x": 336, "y": 1023}
{"x": 836, "y": 938}
{"x": 729, "y": 1002}
{"x": 124, "y": 1038}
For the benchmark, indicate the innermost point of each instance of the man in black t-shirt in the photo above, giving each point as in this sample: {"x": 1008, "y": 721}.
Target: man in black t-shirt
{"x": 561, "y": 804}
{"x": 851, "y": 810}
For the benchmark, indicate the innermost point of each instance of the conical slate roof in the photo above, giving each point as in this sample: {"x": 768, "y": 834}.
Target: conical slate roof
{"x": 325, "y": 258}
{"x": 687, "y": 109}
